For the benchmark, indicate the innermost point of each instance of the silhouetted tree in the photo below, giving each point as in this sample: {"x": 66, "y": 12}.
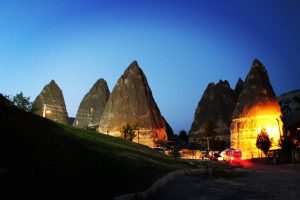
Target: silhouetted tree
{"x": 263, "y": 142}
{"x": 128, "y": 132}
{"x": 297, "y": 99}
{"x": 217, "y": 144}
{"x": 183, "y": 135}
{"x": 21, "y": 102}
{"x": 182, "y": 139}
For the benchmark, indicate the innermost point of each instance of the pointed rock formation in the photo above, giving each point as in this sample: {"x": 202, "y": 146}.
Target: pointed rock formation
{"x": 50, "y": 103}
{"x": 257, "y": 90}
{"x": 5, "y": 102}
{"x": 256, "y": 108}
{"x": 238, "y": 87}
{"x": 215, "y": 107}
{"x": 169, "y": 130}
{"x": 92, "y": 106}
{"x": 131, "y": 101}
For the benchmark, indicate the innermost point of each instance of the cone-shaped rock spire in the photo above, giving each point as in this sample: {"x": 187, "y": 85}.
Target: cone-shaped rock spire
{"x": 214, "y": 109}
{"x": 92, "y": 106}
{"x": 50, "y": 103}
{"x": 257, "y": 90}
{"x": 238, "y": 87}
{"x": 131, "y": 101}
{"x": 256, "y": 110}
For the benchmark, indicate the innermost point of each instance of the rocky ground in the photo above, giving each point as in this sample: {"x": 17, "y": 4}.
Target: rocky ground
{"x": 254, "y": 181}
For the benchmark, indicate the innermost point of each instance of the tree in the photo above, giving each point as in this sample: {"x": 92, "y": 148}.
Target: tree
{"x": 127, "y": 131}
{"x": 217, "y": 144}
{"x": 21, "y": 102}
{"x": 297, "y": 99}
{"x": 263, "y": 142}
{"x": 183, "y": 135}
{"x": 182, "y": 139}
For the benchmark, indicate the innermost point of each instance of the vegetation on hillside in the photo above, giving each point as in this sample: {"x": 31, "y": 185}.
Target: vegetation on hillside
{"x": 43, "y": 159}
{"x": 20, "y": 101}
{"x": 128, "y": 131}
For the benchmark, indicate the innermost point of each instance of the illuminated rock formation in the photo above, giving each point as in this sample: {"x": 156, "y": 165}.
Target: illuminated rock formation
{"x": 216, "y": 107}
{"x": 256, "y": 108}
{"x": 92, "y": 106}
{"x": 131, "y": 101}
{"x": 50, "y": 103}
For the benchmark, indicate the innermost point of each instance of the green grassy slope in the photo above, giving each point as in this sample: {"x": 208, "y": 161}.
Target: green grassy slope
{"x": 39, "y": 158}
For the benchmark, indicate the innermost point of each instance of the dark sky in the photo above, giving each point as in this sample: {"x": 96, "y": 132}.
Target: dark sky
{"x": 180, "y": 45}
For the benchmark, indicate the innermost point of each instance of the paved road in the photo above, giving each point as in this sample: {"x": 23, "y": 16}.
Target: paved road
{"x": 257, "y": 182}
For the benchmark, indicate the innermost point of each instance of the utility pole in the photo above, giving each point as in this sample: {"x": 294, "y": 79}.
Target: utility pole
{"x": 207, "y": 144}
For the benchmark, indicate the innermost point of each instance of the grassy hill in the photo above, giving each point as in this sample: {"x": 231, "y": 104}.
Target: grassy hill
{"x": 43, "y": 159}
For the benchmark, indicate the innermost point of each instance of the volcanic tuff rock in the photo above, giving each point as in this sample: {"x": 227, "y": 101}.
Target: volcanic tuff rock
{"x": 50, "y": 103}
{"x": 92, "y": 106}
{"x": 257, "y": 90}
{"x": 216, "y": 106}
{"x": 238, "y": 87}
{"x": 290, "y": 107}
{"x": 169, "y": 130}
{"x": 131, "y": 101}
{"x": 256, "y": 109}
{"x": 5, "y": 102}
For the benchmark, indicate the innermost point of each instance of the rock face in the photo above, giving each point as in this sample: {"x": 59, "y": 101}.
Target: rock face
{"x": 216, "y": 106}
{"x": 50, "y": 103}
{"x": 238, "y": 87}
{"x": 256, "y": 108}
{"x": 257, "y": 89}
{"x": 131, "y": 101}
{"x": 169, "y": 130}
{"x": 290, "y": 107}
{"x": 5, "y": 102}
{"x": 92, "y": 106}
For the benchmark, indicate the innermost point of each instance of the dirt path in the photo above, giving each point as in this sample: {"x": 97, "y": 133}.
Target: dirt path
{"x": 260, "y": 182}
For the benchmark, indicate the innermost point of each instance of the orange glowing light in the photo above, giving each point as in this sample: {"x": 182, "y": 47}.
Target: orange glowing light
{"x": 244, "y": 130}
{"x": 48, "y": 111}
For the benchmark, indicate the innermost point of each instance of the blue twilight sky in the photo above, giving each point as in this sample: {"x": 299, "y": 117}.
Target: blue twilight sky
{"x": 180, "y": 45}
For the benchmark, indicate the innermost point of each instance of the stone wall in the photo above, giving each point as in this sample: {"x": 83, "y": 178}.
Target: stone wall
{"x": 244, "y": 133}
{"x": 147, "y": 137}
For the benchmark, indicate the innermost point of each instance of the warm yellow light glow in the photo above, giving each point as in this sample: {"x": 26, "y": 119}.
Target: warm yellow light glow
{"x": 48, "y": 111}
{"x": 190, "y": 154}
{"x": 244, "y": 130}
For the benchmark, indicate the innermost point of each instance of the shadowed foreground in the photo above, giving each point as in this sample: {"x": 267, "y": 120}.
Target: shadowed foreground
{"x": 259, "y": 182}
{"x": 42, "y": 159}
